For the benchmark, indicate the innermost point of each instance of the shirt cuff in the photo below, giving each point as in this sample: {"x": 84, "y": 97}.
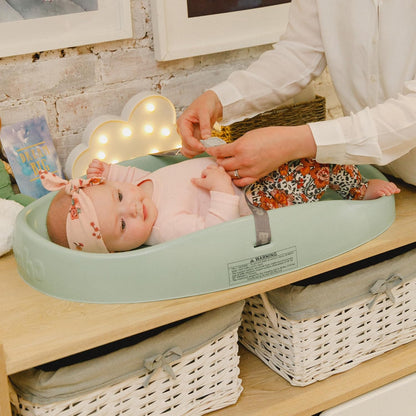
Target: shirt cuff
{"x": 227, "y": 93}
{"x": 232, "y": 102}
{"x": 330, "y": 142}
{"x": 347, "y": 140}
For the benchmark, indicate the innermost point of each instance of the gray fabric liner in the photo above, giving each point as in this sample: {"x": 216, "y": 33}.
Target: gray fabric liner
{"x": 305, "y": 302}
{"x": 43, "y": 387}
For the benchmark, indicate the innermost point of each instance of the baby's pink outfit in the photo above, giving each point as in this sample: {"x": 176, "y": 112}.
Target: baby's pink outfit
{"x": 182, "y": 206}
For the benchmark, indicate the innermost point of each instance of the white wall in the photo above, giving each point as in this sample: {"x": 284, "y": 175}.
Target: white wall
{"x": 74, "y": 85}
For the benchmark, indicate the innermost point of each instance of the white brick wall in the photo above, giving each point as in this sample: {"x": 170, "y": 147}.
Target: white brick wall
{"x": 72, "y": 86}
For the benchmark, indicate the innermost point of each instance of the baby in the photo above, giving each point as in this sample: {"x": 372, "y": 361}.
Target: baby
{"x": 121, "y": 208}
{"x": 132, "y": 207}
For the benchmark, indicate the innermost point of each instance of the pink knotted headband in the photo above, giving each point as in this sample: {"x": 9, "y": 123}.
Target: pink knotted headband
{"x": 82, "y": 227}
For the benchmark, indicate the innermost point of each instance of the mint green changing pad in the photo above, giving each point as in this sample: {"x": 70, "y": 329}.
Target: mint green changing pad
{"x": 217, "y": 258}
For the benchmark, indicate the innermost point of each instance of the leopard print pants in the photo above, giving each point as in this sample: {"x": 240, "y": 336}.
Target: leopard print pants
{"x": 304, "y": 181}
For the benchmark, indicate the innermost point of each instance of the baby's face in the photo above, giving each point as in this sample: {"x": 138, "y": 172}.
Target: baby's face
{"x": 126, "y": 214}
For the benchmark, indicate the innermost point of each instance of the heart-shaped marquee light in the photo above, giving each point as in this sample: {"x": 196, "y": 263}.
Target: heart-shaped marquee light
{"x": 147, "y": 125}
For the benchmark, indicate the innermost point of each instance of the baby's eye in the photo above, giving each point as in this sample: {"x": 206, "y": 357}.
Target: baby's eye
{"x": 123, "y": 225}
{"x": 120, "y": 196}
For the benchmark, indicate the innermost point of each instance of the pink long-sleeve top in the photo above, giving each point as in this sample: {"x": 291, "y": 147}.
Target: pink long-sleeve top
{"x": 182, "y": 206}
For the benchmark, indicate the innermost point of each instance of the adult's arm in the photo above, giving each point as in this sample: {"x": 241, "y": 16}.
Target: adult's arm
{"x": 376, "y": 130}
{"x": 278, "y": 74}
{"x": 376, "y": 135}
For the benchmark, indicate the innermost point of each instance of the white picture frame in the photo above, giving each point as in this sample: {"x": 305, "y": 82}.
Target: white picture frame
{"x": 177, "y": 36}
{"x": 111, "y": 21}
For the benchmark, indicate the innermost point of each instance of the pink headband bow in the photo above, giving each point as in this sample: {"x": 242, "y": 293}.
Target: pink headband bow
{"x": 82, "y": 227}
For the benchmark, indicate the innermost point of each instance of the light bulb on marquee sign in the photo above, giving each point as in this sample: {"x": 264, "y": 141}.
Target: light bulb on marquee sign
{"x": 147, "y": 125}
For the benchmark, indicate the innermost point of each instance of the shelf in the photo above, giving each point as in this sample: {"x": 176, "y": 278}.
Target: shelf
{"x": 266, "y": 393}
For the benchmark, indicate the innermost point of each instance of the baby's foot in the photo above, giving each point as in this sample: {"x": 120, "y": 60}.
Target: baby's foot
{"x": 378, "y": 188}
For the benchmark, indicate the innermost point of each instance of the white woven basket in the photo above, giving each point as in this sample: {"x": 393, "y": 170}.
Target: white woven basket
{"x": 305, "y": 351}
{"x": 206, "y": 380}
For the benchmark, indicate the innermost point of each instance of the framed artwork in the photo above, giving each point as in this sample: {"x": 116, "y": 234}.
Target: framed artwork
{"x": 184, "y": 28}
{"x": 39, "y": 25}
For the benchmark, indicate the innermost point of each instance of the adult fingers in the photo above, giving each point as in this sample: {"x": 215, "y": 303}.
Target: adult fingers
{"x": 230, "y": 164}
{"x": 191, "y": 146}
{"x": 190, "y": 152}
{"x": 205, "y": 128}
{"x": 223, "y": 151}
{"x": 244, "y": 181}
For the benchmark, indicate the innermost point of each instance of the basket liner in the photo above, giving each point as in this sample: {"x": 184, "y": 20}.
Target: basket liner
{"x": 304, "y": 302}
{"x": 44, "y": 387}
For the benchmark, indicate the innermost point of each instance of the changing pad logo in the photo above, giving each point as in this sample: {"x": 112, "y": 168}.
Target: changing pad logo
{"x": 32, "y": 270}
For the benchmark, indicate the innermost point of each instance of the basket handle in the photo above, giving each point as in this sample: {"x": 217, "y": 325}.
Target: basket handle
{"x": 269, "y": 310}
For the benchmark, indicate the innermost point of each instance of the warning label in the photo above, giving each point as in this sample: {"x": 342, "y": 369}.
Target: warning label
{"x": 263, "y": 266}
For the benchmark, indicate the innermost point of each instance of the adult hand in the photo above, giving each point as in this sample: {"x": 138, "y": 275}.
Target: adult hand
{"x": 260, "y": 151}
{"x": 196, "y": 122}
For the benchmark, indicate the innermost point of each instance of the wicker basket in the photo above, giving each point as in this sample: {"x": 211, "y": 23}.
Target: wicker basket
{"x": 308, "y": 349}
{"x": 290, "y": 115}
{"x": 204, "y": 380}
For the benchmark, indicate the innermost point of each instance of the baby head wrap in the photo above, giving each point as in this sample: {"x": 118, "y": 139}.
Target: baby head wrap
{"x": 82, "y": 227}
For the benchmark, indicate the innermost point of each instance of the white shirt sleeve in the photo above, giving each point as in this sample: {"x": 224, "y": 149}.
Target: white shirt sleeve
{"x": 374, "y": 77}
{"x": 376, "y": 135}
{"x": 279, "y": 73}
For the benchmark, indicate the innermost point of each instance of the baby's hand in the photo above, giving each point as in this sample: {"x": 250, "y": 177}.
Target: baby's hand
{"x": 215, "y": 178}
{"x": 98, "y": 168}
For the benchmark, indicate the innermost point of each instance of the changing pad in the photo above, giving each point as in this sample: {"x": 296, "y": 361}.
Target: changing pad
{"x": 217, "y": 258}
